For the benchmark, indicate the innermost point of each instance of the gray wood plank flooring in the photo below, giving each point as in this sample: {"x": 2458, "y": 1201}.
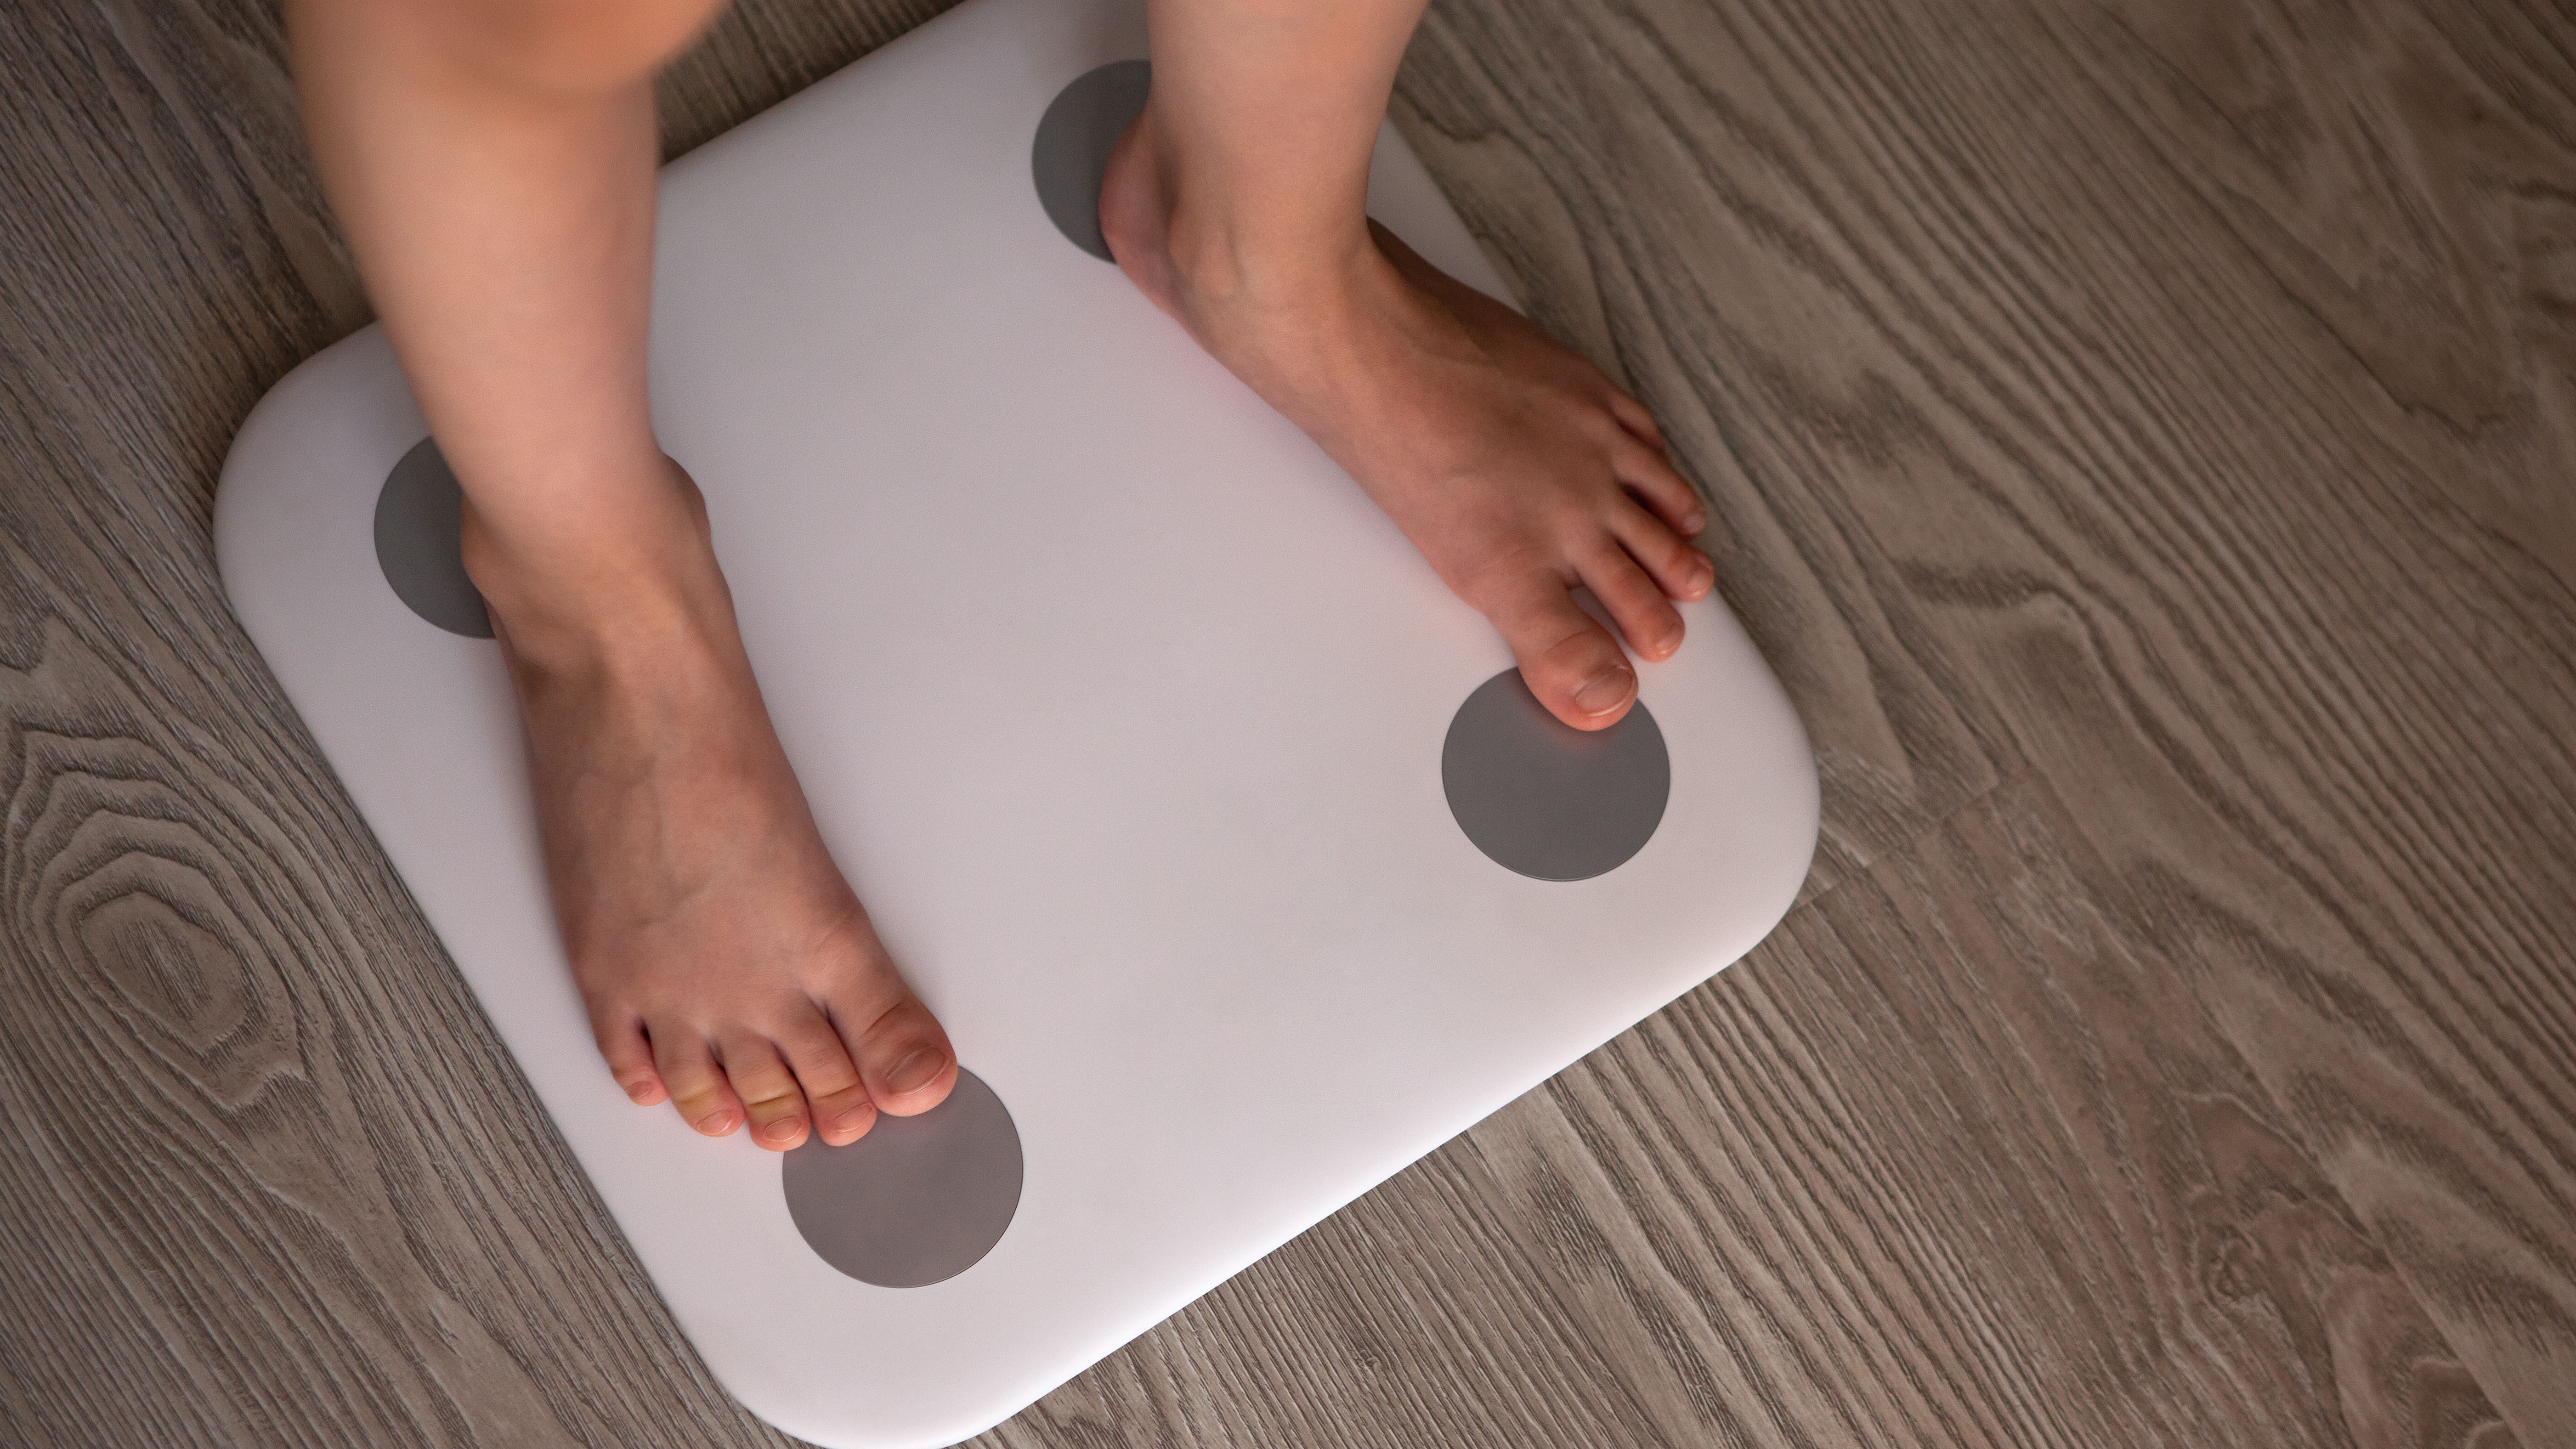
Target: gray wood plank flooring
{"x": 2143, "y": 436}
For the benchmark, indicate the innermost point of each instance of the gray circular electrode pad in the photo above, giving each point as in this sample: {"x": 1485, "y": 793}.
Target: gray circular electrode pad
{"x": 1546, "y": 799}
{"x": 1081, "y": 124}
{"x": 419, "y": 521}
{"x": 919, "y": 1199}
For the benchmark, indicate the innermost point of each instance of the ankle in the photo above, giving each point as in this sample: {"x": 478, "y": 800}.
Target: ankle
{"x": 601, "y": 588}
{"x": 1222, "y": 256}
{"x": 1202, "y": 250}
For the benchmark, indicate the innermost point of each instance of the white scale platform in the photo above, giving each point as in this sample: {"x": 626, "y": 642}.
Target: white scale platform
{"x": 1169, "y": 851}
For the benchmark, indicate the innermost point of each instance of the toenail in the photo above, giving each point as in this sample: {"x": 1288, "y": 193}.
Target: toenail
{"x": 1607, "y": 690}
{"x": 915, "y": 1071}
{"x": 780, "y": 1130}
{"x": 1694, "y": 521}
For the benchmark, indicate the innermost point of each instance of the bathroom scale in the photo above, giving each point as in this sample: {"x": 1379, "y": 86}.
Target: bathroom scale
{"x": 1239, "y": 864}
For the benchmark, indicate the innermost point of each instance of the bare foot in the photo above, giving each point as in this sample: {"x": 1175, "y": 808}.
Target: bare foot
{"x": 1517, "y": 468}
{"x": 726, "y": 964}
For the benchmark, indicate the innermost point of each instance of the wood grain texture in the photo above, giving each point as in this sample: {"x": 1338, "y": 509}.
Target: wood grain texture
{"x": 2143, "y": 436}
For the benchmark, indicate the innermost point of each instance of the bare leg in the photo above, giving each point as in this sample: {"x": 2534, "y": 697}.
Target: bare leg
{"x": 494, "y": 165}
{"x": 1238, "y": 203}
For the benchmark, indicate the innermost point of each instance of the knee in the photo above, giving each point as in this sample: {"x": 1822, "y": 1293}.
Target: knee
{"x": 566, "y": 46}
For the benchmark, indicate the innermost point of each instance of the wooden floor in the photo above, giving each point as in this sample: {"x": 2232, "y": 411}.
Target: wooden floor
{"x": 2143, "y": 436}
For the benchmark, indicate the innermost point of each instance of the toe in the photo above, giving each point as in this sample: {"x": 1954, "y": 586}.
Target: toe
{"x": 1633, "y": 416}
{"x": 843, "y": 1117}
{"x": 771, "y": 1100}
{"x": 1679, "y": 570}
{"x": 830, "y": 1081}
{"x": 630, "y": 1060}
{"x": 1645, "y": 617}
{"x": 905, "y": 1059}
{"x": 1647, "y": 473}
{"x": 697, "y": 1085}
{"x": 1571, "y": 663}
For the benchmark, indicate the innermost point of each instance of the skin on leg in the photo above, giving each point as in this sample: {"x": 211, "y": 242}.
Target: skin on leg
{"x": 1238, "y": 202}
{"x": 493, "y": 163}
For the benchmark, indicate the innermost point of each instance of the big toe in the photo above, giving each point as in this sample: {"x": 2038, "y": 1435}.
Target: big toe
{"x": 1602, "y": 696}
{"x": 1570, "y": 662}
{"x": 906, "y": 1060}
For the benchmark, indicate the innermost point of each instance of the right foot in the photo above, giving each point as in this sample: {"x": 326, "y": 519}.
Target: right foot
{"x": 727, "y": 966}
{"x": 1514, "y": 465}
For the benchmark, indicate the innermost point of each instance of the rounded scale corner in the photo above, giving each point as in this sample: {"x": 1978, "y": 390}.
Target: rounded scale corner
{"x": 269, "y": 450}
{"x": 1799, "y": 818}
{"x": 1767, "y": 786}
{"x": 258, "y": 447}
{"x": 1807, "y": 828}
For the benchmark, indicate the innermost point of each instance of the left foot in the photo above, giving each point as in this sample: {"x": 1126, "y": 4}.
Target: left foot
{"x": 1514, "y": 465}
